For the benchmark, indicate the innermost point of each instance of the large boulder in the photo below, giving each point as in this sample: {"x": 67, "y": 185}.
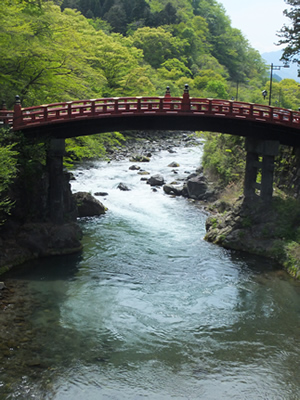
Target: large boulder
{"x": 196, "y": 187}
{"x": 33, "y": 240}
{"x": 156, "y": 180}
{"x": 134, "y": 167}
{"x": 87, "y": 205}
{"x": 46, "y": 239}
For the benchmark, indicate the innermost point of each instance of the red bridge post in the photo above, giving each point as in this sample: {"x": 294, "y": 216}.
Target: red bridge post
{"x": 165, "y": 100}
{"x": 17, "y": 121}
{"x": 186, "y": 104}
{"x": 168, "y": 93}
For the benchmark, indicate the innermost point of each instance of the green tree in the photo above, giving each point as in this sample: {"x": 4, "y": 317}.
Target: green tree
{"x": 217, "y": 88}
{"x": 286, "y": 94}
{"x": 116, "y": 17}
{"x": 90, "y": 147}
{"x": 173, "y": 69}
{"x": 290, "y": 34}
{"x": 224, "y": 157}
{"x": 59, "y": 56}
{"x": 206, "y": 76}
{"x": 116, "y": 58}
{"x": 51, "y": 57}
{"x": 8, "y": 172}
{"x": 138, "y": 81}
{"x": 157, "y": 44}
{"x": 193, "y": 35}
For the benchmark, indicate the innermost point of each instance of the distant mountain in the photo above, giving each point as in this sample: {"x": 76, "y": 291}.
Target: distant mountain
{"x": 283, "y": 73}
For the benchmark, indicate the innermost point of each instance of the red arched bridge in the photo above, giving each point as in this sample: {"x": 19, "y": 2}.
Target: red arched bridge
{"x": 86, "y": 117}
{"x": 263, "y": 126}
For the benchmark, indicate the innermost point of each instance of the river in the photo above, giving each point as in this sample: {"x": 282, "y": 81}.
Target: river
{"x": 149, "y": 310}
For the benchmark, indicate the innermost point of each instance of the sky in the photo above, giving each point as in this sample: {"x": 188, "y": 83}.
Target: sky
{"x": 259, "y": 20}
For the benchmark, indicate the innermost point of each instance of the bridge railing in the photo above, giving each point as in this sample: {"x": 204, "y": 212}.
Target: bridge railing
{"x": 6, "y": 117}
{"x": 92, "y": 108}
{"x": 80, "y": 109}
{"x": 244, "y": 110}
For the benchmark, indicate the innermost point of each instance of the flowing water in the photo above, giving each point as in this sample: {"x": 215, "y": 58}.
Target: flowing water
{"x": 149, "y": 310}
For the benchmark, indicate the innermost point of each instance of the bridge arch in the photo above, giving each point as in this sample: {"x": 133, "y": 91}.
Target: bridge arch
{"x": 87, "y": 117}
{"x": 263, "y": 126}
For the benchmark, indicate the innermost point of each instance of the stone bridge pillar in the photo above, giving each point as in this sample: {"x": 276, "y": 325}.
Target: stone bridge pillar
{"x": 260, "y": 157}
{"x": 55, "y": 168}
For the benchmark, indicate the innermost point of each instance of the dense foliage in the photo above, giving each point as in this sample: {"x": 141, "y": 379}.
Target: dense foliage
{"x": 290, "y": 34}
{"x": 224, "y": 158}
{"x": 8, "y": 171}
{"x": 57, "y": 51}
{"x": 73, "y": 49}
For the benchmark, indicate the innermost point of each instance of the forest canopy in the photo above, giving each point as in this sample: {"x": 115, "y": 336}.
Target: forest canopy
{"x": 73, "y": 49}
{"x": 64, "y": 50}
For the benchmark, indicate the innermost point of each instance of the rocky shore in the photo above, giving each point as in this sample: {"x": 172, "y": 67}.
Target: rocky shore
{"x": 256, "y": 228}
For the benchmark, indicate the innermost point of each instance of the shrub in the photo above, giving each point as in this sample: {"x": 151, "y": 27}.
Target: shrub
{"x": 224, "y": 158}
{"x": 8, "y": 171}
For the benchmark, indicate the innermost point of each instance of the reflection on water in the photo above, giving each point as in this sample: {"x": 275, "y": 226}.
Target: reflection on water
{"x": 149, "y": 310}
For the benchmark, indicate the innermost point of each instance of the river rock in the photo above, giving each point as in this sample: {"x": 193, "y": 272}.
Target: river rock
{"x": 139, "y": 158}
{"x": 196, "y": 187}
{"x": 173, "y": 190}
{"x": 101, "y": 194}
{"x": 134, "y": 167}
{"x": 156, "y": 180}
{"x": 174, "y": 165}
{"x": 87, "y": 205}
{"x": 143, "y": 173}
{"x": 123, "y": 187}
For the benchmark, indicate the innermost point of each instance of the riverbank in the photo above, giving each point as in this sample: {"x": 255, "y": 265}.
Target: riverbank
{"x": 31, "y": 241}
{"x": 269, "y": 230}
